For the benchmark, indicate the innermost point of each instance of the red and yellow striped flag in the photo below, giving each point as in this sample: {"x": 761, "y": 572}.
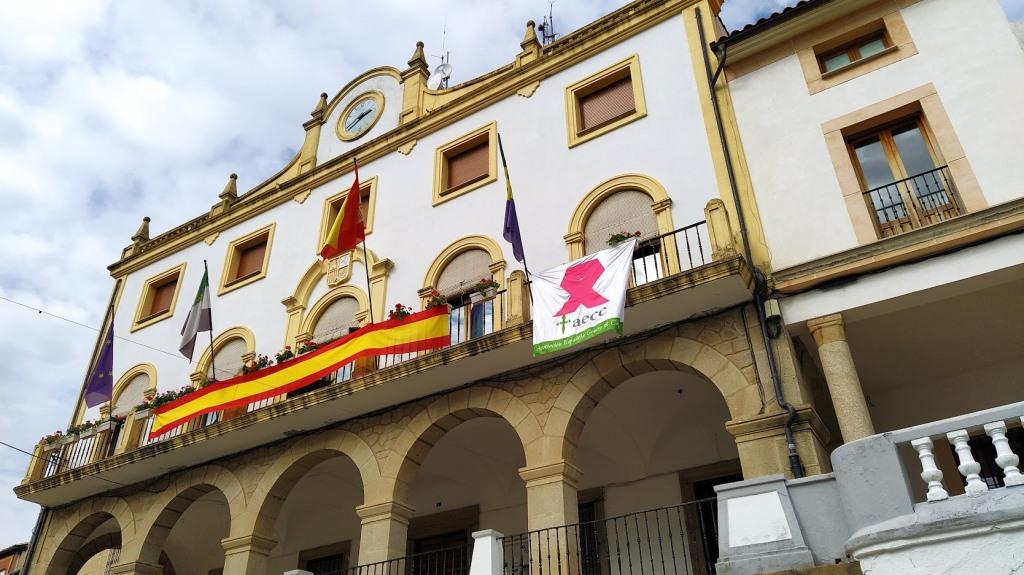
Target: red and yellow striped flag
{"x": 421, "y": 331}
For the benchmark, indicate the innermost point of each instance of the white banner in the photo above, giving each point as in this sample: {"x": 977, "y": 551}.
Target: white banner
{"x": 581, "y": 299}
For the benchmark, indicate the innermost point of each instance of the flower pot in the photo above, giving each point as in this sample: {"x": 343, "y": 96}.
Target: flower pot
{"x": 142, "y": 413}
{"x": 87, "y": 433}
{"x": 69, "y": 438}
{"x": 47, "y": 447}
{"x": 480, "y": 296}
{"x": 105, "y": 426}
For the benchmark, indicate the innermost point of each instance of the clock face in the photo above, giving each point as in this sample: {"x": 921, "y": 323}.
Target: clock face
{"x": 360, "y": 116}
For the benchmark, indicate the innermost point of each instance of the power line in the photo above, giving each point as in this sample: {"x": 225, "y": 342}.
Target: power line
{"x": 33, "y": 455}
{"x": 98, "y": 330}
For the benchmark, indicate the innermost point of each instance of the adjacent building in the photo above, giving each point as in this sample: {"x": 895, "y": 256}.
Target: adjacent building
{"x": 828, "y": 207}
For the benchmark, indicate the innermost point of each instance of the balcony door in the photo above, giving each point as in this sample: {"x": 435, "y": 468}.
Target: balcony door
{"x": 905, "y": 184}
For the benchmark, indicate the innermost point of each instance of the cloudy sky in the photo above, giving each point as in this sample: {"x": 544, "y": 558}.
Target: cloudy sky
{"x": 114, "y": 110}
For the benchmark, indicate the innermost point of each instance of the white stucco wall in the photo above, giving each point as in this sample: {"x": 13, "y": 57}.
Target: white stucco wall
{"x": 669, "y": 145}
{"x": 966, "y": 49}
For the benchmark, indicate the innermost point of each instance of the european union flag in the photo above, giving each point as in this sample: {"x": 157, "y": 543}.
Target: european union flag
{"x": 100, "y": 386}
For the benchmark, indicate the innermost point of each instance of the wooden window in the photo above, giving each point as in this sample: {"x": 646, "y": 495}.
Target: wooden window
{"x": 905, "y": 182}
{"x": 627, "y": 211}
{"x": 608, "y": 103}
{"x": 855, "y": 51}
{"x": 467, "y": 320}
{"x": 604, "y": 101}
{"x": 465, "y": 164}
{"x": 158, "y": 296}
{"x": 247, "y": 259}
{"x": 332, "y": 205}
{"x": 469, "y": 165}
{"x": 327, "y": 560}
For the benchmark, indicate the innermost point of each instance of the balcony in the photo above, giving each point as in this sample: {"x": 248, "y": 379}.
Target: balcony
{"x": 691, "y": 271}
{"x": 915, "y": 202}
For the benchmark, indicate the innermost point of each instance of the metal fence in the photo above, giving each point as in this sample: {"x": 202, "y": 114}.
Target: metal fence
{"x": 448, "y": 561}
{"x": 927, "y": 198}
{"x": 676, "y": 540}
{"x": 677, "y": 251}
{"x": 80, "y": 451}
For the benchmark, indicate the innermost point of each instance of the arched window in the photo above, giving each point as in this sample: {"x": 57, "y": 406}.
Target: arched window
{"x": 456, "y": 283}
{"x": 132, "y": 394}
{"x": 627, "y": 212}
{"x": 336, "y": 320}
{"x": 227, "y": 359}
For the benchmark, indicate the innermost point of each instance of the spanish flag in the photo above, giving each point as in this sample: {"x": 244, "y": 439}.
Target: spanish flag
{"x": 428, "y": 329}
{"x": 348, "y": 230}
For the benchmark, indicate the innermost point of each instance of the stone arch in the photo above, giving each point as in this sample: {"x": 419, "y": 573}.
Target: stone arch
{"x": 441, "y": 416}
{"x": 317, "y": 309}
{"x": 661, "y": 204}
{"x": 463, "y": 245}
{"x": 291, "y": 466}
{"x": 92, "y": 548}
{"x": 237, "y": 332}
{"x": 147, "y": 369}
{"x": 297, "y": 303}
{"x": 173, "y": 501}
{"x": 74, "y": 527}
{"x": 597, "y": 377}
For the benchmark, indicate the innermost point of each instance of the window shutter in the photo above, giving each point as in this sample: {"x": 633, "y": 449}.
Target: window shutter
{"x": 131, "y": 395}
{"x": 228, "y": 359}
{"x": 626, "y": 211}
{"x": 607, "y": 103}
{"x": 336, "y": 319}
{"x": 464, "y": 271}
{"x": 162, "y": 297}
{"x": 250, "y": 259}
{"x": 468, "y": 165}
{"x": 364, "y": 206}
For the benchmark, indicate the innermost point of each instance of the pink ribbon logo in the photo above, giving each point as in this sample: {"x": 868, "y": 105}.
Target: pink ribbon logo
{"x": 579, "y": 281}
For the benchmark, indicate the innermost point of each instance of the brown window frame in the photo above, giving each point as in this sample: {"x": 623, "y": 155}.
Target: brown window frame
{"x": 486, "y": 134}
{"x": 629, "y": 68}
{"x": 620, "y": 76}
{"x": 480, "y": 141}
{"x": 852, "y": 49}
{"x": 884, "y": 133}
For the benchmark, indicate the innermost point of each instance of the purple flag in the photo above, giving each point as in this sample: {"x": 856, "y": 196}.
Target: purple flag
{"x": 511, "y": 228}
{"x": 100, "y": 385}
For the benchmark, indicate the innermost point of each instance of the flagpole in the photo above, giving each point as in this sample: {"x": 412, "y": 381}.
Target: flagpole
{"x": 508, "y": 184}
{"x": 366, "y": 259}
{"x": 213, "y": 364}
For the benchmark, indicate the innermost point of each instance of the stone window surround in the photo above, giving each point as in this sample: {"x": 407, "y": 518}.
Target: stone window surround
{"x": 574, "y": 133}
{"x": 924, "y": 101}
{"x": 142, "y": 317}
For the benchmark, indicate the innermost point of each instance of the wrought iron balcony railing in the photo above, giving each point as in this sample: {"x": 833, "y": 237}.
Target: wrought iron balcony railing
{"x": 911, "y": 203}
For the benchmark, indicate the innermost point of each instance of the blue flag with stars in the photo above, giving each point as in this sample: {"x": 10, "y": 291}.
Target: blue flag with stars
{"x": 100, "y": 386}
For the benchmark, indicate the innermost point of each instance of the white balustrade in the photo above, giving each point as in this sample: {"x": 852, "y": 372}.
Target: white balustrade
{"x": 930, "y": 473}
{"x": 968, "y": 467}
{"x": 1006, "y": 459}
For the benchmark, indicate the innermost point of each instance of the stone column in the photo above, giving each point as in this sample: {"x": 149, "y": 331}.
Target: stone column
{"x": 841, "y": 374}
{"x": 385, "y": 528}
{"x": 246, "y": 555}
{"x": 551, "y": 494}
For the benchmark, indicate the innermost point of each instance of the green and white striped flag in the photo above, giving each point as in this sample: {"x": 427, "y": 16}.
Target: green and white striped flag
{"x": 199, "y": 318}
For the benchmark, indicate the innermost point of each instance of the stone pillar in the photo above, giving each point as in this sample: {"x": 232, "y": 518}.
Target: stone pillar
{"x": 518, "y": 299}
{"x": 385, "y": 528}
{"x": 719, "y": 230}
{"x": 138, "y": 568}
{"x": 246, "y": 555}
{"x": 841, "y": 375}
{"x": 551, "y": 494}
{"x": 37, "y": 463}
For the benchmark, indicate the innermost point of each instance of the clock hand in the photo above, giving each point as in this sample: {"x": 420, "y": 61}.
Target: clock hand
{"x": 356, "y": 121}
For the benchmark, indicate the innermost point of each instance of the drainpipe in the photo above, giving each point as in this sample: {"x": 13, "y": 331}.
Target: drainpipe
{"x": 32, "y": 541}
{"x": 760, "y": 282}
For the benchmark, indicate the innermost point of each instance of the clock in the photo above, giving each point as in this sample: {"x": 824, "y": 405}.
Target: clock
{"x": 360, "y": 115}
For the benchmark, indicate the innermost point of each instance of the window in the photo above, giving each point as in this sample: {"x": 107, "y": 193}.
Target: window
{"x": 227, "y": 360}
{"x": 855, "y": 51}
{"x": 905, "y": 184}
{"x": 159, "y": 294}
{"x": 131, "y": 395}
{"x": 468, "y": 319}
{"x": 327, "y": 560}
{"x": 465, "y": 164}
{"x": 336, "y": 320}
{"x": 247, "y": 259}
{"x": 445, "y": 554}
{"x": 605, "y": 101}
{"x": 367, "y": 205}
{"x": 627, "y": 211}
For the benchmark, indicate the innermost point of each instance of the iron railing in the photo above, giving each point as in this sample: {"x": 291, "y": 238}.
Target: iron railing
{"x": 196, "y": 422}
{"x": 677, "y": 540}
{"x": 448, "y": 561}
{"x": 927, "y": 198}
{"x": 677, "y": 251}
{"x": 79, "y": 451}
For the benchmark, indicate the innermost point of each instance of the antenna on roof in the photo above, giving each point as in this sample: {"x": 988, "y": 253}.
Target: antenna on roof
{"x": 439, "y": 77}
{"x": 547, "y": 26}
